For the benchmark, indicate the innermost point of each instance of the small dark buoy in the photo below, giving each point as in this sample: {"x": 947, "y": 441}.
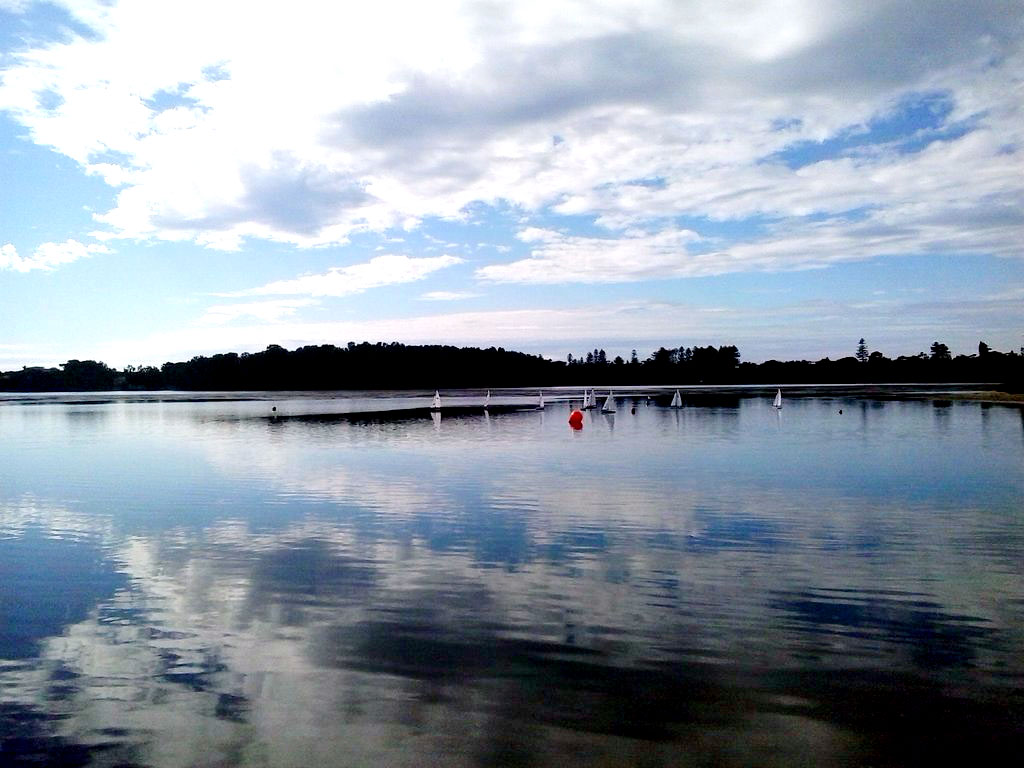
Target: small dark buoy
{"x": 633, "y": 410}
{"x": 840, "y": 411}
{"x": 274, "y": 409}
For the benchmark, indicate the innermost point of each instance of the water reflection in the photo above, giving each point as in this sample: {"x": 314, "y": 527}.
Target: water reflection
{"x": 51, "y": 575}
{"x": 706, "y": 582}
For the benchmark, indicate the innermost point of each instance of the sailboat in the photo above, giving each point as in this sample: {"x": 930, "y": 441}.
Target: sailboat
{"x": 677, "y": 401}
{"x": 609, "y": 404}
{"x": 435, "y": 404}
{"x": 487, "y": 399}
{"x": 540, "y": 401}
{"x": 592, "y": 400}
{"x": 778, "y": 399}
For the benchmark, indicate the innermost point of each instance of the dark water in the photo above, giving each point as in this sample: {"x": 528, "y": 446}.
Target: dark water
{"x": 199, "y": 584}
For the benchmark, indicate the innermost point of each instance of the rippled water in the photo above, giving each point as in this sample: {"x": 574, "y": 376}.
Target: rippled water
{"x": 213, "y": 583}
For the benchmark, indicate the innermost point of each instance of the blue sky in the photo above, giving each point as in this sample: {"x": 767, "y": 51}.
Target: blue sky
{"x": 184, "y": 178}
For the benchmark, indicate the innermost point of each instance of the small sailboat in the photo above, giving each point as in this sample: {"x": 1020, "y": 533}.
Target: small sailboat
{"x": 677, "y": 401}
{"x": 609, "y": 404}
{"x": 487, "y": 399}
{"x": 435, "y": 404}
{"x": 778, "y": 399}
{"x": 540, "y": 401}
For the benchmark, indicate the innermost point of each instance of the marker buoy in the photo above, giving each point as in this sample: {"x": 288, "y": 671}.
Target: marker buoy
{"x": 576, "y": 419}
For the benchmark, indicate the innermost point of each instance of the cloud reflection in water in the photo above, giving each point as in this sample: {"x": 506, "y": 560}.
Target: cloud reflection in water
{"x": 405, "y": 595}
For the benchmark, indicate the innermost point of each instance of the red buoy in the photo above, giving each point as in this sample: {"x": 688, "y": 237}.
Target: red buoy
{"x": 576, "y": 419}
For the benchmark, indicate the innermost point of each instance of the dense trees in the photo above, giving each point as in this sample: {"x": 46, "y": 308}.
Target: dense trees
{"x": 372, "y": 366}
{"x": 359, "y": 366}
{"x": 72, "y": 376}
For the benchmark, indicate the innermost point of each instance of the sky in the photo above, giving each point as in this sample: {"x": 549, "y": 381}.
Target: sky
{"x": 184, "y": 178}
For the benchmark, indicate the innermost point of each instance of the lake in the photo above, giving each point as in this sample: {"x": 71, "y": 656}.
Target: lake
{"x": 191, "y": 580}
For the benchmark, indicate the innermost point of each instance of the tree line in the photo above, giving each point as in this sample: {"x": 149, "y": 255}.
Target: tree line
{"x": 398, "y": 366}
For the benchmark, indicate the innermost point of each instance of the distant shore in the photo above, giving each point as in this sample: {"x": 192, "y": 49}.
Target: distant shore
{"x": 519, "y": 396}
{"x": 991, "y": 396}
{"x": 378, "y": 366}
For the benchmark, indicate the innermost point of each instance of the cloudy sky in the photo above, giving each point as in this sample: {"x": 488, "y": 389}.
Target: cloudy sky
{"x": 183, "y": 178}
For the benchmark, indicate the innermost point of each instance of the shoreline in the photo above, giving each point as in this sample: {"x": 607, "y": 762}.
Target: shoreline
{"x": 991, "y": 396}
{"x": 465, "y": 398}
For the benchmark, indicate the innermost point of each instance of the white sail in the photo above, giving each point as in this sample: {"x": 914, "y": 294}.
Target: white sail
{"x": 609, "y": 404}
{"x": 778, "y": 399}
{"x": 435, "y": 405}
{"x": 677, "y": 401}
{"x": 487, "y": 398}
{"x": 540, "y": 401}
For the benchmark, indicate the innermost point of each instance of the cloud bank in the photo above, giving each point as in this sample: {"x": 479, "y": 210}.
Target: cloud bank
{"x": 333, "y": 121}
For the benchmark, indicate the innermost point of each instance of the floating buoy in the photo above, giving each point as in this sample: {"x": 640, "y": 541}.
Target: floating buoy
{"x": 576, "y": 419}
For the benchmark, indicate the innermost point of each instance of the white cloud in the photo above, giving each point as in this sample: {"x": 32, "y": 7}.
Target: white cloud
{"x": 266, "y": 311}
{"x": 9, "y": 258}
{"x": 388, "y": 269}
{"x": 47, "y": 256}
{"x": 885, "y": 203}
{"x": 564, "y": 258}
{"x": 209, "y": 139}
{"x": 448, "y": 295}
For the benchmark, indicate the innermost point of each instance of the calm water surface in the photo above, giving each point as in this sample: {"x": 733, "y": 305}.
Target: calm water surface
{"x": 205, "y": 583}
